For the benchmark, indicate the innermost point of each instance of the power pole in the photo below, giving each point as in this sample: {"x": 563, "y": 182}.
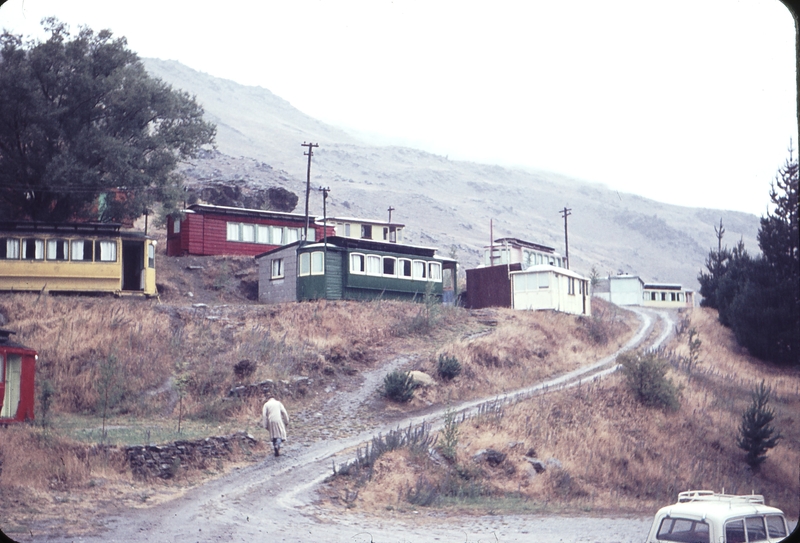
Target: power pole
{"x": 390, "y": 214}
{"x": 325, "y": 191}
{"x": 566, "y": 213}
{"x": 309, "y": 154}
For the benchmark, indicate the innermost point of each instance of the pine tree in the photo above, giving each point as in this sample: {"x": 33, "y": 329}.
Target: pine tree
{"x": 756, "y": 436}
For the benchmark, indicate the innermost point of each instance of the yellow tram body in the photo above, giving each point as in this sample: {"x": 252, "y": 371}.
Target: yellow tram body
{"x": 92, "y": 258}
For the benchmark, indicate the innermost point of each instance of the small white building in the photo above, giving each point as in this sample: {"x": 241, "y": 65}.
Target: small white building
{"x": 544, "y": 286}
{"x": 625, "y": 289}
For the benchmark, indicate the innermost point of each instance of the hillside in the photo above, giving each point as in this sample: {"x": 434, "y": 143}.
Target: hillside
{"x": 448, "y": 203}
{"x": 613, "y": 456}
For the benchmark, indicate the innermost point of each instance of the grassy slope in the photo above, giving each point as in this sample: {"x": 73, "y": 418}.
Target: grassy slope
{"x": 614, "y": 455}
{"x": 612, "y": 450}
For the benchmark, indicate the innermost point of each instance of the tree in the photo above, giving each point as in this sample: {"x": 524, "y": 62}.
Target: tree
{"x": 759, "y": 298}
{"x": 85, "y": 133}
{"x": 756, "y": 436}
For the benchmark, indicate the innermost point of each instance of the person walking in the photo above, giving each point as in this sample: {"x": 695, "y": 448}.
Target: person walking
{"x": 272, "y": 415}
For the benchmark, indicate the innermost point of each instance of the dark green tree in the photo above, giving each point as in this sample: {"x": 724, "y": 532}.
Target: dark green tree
{"x": 756, "y": 435}
{"x": 759, "y": 298}
{"x": 85, "y": 133}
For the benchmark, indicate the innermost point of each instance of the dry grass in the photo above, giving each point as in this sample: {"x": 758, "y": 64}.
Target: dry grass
{"x": 611, "y": 453}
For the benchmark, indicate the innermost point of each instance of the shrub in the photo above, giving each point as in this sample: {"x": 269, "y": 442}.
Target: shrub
{"x": 399, "y": 386}
{"x": 449, "y": 433}
{"x": 244, "y": 369}
{"x": 448, "y": 367}
{"x": 645, "y": 374}
{"x": 756, "y": 435}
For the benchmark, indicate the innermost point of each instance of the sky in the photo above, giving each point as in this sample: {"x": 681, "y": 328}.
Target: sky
{"x": 689, "y": 102}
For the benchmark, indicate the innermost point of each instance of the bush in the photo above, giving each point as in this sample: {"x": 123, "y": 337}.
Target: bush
{"x": 756, "y": 435}
{"x": 448, "y": 367}
{"x": 645, "y": 374}
{"x": 244, "y": 369}
{"x": 399, "y": 386}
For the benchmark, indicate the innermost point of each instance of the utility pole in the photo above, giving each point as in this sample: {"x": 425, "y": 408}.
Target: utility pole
{"x": 390, "y": 214}
{"x": 566, "y": 212}
{"x": 309, "y": 154}
{"x": 325, "y": 191}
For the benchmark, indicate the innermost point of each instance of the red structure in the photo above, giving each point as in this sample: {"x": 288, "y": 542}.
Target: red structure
{"x": 17, "y": 389}
{"x": 490, "y": 286}
{"x": 219, "y": 230}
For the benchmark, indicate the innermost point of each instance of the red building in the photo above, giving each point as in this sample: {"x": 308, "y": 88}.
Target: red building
{"x": 219, "y": 230}
{"x": 17, "y": 390}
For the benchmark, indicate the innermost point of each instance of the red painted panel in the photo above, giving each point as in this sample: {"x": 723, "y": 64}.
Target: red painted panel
{"x": 27, "y": 383}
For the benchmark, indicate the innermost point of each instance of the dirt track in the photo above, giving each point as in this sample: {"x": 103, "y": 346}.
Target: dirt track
{"x": 274, "y": 500}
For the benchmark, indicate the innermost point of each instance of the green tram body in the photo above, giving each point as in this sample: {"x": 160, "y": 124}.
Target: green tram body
{"x": 338, "y": 280}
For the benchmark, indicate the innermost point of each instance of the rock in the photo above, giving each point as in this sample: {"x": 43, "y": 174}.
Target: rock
{"x": 537, "y": 464}
{"x": 421, "y": 378}
{"x": 490, "y": 456}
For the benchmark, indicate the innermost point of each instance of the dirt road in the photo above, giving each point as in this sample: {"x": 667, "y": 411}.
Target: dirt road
{"x": 273, "y": 500}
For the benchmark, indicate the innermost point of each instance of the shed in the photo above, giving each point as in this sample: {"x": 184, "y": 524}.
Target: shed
{"x": 17, "y": 387}
{"x": 221, "y": 230}
{"x": 550, "y": 287}
{"x": 625, "y": 289}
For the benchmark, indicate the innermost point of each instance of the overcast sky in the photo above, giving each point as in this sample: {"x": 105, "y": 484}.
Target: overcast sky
{"x": 690, "y": 102}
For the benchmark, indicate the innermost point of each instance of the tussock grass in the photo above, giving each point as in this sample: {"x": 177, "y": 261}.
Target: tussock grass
{"x": 606, "y": 452}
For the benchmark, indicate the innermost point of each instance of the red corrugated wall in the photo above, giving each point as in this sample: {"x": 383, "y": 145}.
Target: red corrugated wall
{"x": 206, "y": 234}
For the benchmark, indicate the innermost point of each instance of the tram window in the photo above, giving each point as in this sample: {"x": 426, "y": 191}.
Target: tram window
{"x": 151, "y": 256}
{"x": 33, "y": 249}
{"x": 106, "y": 251}
{"x": 57, "y": 249}
{"x": 81, "y": 250}
{"x": 9, "y": 249}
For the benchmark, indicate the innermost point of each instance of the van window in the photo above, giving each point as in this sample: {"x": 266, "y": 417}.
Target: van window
{"x": 683, "y": 530}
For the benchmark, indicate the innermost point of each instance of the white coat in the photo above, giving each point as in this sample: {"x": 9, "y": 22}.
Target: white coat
{"x": 272, "y": 415}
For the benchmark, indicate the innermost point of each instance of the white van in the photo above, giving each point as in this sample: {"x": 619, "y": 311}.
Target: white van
{"x": 703, "y": 516}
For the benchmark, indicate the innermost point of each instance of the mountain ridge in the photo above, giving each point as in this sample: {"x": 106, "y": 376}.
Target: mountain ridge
{"x": 447, "y": 203}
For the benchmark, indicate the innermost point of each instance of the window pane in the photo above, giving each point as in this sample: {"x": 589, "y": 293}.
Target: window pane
{"x": 317, "y": 262}
{"x": 388, "y": 265}
{"x": 419, "y": 269}
{"x": 366, "y": 231}
{"x": 176, "y": 226}
{"x": 292, "y": 235}
{"x": 405, "y": 267}
{"x": 544, "y": 280}
{"x": 755, "y": 529}
{"x": 262, "y": 234}
{"x": 11, "y": 247}
{"x": 734, "y": 532}
{"x": 233, "y": 231}
{"x": 248, "y": 232}
{"x": 305, "y": 264}
{"x": 107, "y": 251}
{"x": 776, "y": 526}
{"x": 435, "y": 271}
{"x": 277, "y": 235}
{"x": 347, "y": 230}
{"x": 373, "y": 265}
{"x": 357, "y": 263}
{"x": 277, "y": 267}
{"x": 151, "y": 255}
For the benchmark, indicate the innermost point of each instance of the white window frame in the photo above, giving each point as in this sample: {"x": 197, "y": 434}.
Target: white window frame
{"x": 276, "y": 268}
{"x": 543, "y": 280}
{"x": 374, "y": 265}
{"x": 383, "y": 266}
{"x": 304, "y": 264}
{"x": 262, "y": 234}
{"x": 176, "y": 226}
{"x": 233, "y": 231}
{"x": 435, "y": 272}
{"x": 248, "y": 232}
{"x": 362, "y": 260}
{"x": 151, "y": 256}
{"x": 317, "y": 263}
{"x": 416, "y": 267}
{"x": 38, "y": 249}
{"x": 401, "y": 268}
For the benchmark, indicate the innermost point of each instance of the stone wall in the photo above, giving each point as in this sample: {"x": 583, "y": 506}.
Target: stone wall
{"x": 165, "y": 461}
